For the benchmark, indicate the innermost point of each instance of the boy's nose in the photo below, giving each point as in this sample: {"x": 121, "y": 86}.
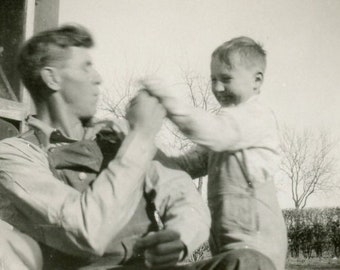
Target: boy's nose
{"x": 219, "y": 87}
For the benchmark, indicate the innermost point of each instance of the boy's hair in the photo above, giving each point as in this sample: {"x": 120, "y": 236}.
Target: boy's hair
{"x": 250, "y": 52}
{"x": 46, "y": 48}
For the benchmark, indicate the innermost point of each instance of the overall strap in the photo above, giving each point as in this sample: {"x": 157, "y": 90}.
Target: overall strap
{"x": 244, "y": 168}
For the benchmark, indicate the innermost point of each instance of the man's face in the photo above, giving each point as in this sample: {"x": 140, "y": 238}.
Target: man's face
{"x": 231, "y": 85}
{"x": 79, "y": 83}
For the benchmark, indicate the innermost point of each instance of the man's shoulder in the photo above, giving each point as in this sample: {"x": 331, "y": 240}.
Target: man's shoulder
{"x": 16, "y": 147}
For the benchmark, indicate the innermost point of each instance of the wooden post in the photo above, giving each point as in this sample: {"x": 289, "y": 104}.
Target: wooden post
{"x": 19, "y": 20}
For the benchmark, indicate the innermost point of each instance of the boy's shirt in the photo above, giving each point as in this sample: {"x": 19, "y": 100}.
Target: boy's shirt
{"x": 250, "y": 127}
{"x": 239, "y": 150}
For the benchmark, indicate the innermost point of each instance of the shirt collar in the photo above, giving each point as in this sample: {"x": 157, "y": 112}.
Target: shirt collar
{"x": 48, "y": 135}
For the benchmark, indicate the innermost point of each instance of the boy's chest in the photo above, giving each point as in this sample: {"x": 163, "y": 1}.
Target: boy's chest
{"x": 226, "y": 171}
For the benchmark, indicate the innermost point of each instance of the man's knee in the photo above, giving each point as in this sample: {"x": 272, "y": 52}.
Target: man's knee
{"x": 19, "y": 251}
{"x": 245, "y": 259}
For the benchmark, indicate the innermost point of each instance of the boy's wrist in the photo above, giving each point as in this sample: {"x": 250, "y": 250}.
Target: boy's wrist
{"x": 174, "y": 106}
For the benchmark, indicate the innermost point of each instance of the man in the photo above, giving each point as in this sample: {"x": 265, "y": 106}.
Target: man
{"x": 92, "y": 193}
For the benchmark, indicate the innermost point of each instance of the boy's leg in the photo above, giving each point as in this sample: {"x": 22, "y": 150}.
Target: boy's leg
{"x": 238, "y": 259}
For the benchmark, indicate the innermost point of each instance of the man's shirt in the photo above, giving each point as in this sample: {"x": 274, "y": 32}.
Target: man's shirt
{"x": 88, "y": 222}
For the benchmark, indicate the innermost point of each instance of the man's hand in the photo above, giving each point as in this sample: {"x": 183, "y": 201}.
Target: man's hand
{"x": 145, "y": 114}
{"x": 162, "y": 249}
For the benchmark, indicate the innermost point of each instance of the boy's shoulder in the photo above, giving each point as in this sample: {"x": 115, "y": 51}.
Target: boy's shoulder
{"x": 255, "y": 107}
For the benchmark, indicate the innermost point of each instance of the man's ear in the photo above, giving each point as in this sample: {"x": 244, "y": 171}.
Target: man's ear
{"x": 51, "y": 77}
{"x": 258, "y": 81}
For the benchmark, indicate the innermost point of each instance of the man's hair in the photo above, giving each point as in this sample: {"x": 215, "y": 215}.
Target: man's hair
{"x": 46, "y": 48}
{"x": 250, "y": 52}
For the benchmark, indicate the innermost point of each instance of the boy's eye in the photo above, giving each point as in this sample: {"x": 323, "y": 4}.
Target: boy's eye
{"x": 213, "y": 80}
{"x": 225, "y": 79}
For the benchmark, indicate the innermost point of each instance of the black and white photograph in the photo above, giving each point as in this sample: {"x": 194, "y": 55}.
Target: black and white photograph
{"x": 169, "y": 134}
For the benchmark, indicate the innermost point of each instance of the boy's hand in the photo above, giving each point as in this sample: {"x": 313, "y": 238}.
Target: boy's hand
{"x": 156, "y": 87}
{"x": 162, "y": 249}
{"x": 169, "y": 96}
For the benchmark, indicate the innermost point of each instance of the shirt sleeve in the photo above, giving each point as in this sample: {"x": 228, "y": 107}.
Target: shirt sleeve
{"x": 250, "y": 124}
{"x": 182, "y": 207}
{"x": 194, "y": 161}
{"x": 77, "y": 223}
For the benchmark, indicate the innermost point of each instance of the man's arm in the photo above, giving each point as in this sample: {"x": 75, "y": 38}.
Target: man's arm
{"x": 194, "y": 161}
{"x": 185, "y": 216}
{"x": 81, "y": 223}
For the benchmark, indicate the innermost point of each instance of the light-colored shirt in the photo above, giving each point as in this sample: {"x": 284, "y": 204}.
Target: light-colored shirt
{"x": 239, "y": 150}
{"x": 86, "y": 223}
{"x": 250, "y": 127}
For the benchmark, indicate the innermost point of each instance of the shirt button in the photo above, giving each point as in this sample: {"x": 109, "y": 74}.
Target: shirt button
{"x": 82, "y": 176}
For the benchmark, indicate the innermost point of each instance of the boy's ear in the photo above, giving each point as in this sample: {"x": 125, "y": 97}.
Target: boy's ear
{"x": 258, "y": 81}
{"x": 51, "y": 77}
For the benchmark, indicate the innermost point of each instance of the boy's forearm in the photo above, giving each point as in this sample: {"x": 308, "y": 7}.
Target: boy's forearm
{"x": 204, "y": 128}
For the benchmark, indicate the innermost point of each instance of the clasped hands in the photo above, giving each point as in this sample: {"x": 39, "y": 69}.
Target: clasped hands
{"x": 149, "y": 107}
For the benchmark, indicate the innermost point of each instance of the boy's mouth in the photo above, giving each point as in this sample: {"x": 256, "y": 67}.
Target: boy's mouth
{"x": 226, "y": 98}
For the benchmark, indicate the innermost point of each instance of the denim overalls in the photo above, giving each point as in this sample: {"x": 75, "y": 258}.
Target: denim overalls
{"x": 245, "y": 213}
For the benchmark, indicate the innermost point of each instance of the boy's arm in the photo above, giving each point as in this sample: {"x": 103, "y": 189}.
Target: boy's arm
{"x": 245, "y": 126}
{"x": 250, "y": 124}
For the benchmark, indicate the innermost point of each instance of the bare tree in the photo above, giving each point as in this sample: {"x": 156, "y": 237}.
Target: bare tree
{"x": 308, "y": 163}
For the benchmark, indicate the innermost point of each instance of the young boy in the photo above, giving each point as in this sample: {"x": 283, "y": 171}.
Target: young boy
{"x": 239, "y": 150}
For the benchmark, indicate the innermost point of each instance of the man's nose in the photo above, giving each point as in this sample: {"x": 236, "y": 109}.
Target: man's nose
{"x": 219, "y": 87}
{"x": 96, "y": 78}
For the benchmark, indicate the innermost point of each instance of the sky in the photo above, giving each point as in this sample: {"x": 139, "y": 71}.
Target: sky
{"x": 163, "y": 37}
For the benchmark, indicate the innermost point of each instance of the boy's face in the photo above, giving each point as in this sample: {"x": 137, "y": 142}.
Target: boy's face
{"x": 234, "y": 84}
{"x": 79, "y": 83}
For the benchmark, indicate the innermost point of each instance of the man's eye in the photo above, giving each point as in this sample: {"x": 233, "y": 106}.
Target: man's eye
{"x": 213, "y": 80}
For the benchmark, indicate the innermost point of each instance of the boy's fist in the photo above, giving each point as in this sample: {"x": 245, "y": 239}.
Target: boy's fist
{"x": 170, "y": 97}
